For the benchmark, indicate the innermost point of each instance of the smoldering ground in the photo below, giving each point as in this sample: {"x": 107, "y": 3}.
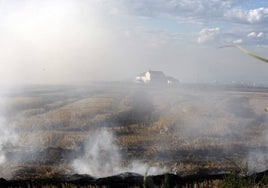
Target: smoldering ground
{"x": 179, "y": 129}
{"x": 105, "y": 129}
{"x": 8, "y": 138}
{"x": 102, "y": 157}
{"x": 60, "y": 120}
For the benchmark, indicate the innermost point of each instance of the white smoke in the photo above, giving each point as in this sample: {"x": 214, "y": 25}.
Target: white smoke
{"x": 8, "y": 137}
{"x": 102, "y": 158}
{"x": 257, "y": 161}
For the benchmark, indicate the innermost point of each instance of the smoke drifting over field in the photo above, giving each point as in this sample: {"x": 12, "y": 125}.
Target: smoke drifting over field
{"x": 102, "y": 157}
{"x": 108, "y": 128}
{"x": 70, "y": 41}
{"x": 7, "y": 137}
{"x": 257, "y": 159}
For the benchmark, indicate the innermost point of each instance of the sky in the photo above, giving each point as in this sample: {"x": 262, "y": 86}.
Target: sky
{"x": 79, "y": 41}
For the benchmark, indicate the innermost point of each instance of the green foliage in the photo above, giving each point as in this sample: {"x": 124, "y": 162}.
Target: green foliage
{"x": 264, "y": 181}
{"x": 252, "y": 54}
{"x": 236, "y": 181}
{"x": 165, "y": 183}
{"x": 145, "y": 177}
{"x": 245, "y": 51}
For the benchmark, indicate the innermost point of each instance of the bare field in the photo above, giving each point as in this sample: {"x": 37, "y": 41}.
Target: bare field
{"x": 182, "y": 129}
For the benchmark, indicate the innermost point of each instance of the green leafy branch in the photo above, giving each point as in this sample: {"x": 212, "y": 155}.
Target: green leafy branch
{"x": 245, "y": 51}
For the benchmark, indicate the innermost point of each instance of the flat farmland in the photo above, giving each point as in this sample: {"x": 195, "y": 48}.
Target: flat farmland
{"x": 106, "y": 128}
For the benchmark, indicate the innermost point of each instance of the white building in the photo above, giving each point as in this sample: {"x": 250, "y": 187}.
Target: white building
{"x": 155, "y": 77}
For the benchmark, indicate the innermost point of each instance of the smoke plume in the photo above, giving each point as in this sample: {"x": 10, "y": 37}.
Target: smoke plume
{"x": 102, "y": 158}
{"x": 7, "y": 137}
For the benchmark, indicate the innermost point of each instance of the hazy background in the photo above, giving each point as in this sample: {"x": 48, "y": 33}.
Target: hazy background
{"x": 74, "y": 41}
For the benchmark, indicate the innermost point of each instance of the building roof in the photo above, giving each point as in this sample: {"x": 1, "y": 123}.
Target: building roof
{"x": 156, "y": 72}
{"x": 152, "y": 72}
{"x": 142, "y": 74}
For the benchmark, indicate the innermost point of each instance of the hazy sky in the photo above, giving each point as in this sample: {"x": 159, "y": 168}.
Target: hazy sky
{"x": 72, "y": 41}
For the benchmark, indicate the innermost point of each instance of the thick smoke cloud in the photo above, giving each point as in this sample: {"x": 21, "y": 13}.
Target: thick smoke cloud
{"x": 51, "y": 42}
{"x": 54, "y": 41}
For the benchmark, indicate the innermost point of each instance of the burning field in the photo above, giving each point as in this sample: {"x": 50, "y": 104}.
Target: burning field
{"x": 106, "y": 129}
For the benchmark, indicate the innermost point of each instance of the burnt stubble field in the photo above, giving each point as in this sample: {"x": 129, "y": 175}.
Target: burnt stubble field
{"x": 103, "y": 129}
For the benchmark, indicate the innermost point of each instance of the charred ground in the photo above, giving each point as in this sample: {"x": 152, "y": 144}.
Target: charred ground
{"x": 184, "y": 129}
